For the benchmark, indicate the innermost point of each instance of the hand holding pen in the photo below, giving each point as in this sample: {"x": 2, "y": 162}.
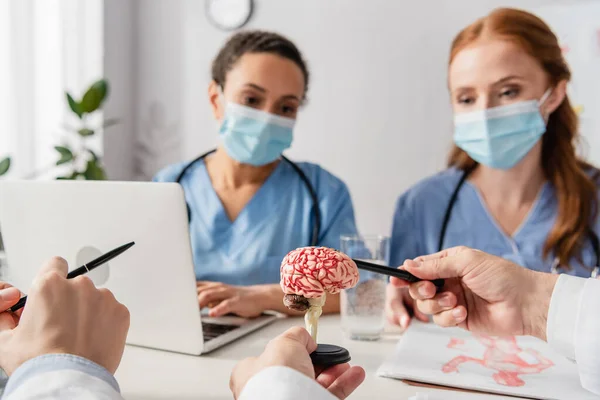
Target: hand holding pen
{"x": 83, "y": 269}
{"x": 53, "y": 321}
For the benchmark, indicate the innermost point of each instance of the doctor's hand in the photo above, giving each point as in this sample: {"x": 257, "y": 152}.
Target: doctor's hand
{"x": 488, "y": 294}
{"x": 8, "y": 298}
{"x": 399, "y": 307}
{"x": 292, "y": 349}
{"x": 64, "y": 317}
{"x": 245, "y": 301}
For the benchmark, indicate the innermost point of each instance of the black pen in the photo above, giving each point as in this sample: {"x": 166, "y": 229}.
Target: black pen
{"x": 397, "y": 273}
{"x": 82, "y": 270}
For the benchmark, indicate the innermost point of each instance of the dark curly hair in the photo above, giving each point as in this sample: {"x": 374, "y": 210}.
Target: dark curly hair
{"x": 256, "y": 42}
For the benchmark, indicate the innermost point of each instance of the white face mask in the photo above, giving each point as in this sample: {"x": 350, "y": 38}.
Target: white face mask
{"x": 500, "y": 137}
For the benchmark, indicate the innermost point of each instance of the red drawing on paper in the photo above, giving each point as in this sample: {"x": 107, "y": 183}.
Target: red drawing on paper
{"x": 502, "y": 355}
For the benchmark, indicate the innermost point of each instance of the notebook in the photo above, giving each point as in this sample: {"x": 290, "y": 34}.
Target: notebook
{"x": 517, "y": 366}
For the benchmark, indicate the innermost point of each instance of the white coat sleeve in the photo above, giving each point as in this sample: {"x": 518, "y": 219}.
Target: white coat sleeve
{"x": 283, "y": 383}
{"x": 574, "y": 326}
{"x": 61, "y": 376}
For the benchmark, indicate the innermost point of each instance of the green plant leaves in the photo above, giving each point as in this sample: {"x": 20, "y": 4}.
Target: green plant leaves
{"x": 91, "y": 101}
{"x": 73, "y": 105}
{"x": 94, "y": 171}
{"x": 95, "y": 95}
{"x": 66, "y": 155}
{"x": 73, "y": 176}
{"x": 85, "y": 132}
{"x": 4, "y": 165}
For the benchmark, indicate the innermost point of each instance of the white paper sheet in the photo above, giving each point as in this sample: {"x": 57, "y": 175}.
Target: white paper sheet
{"x": 517, "y": 366}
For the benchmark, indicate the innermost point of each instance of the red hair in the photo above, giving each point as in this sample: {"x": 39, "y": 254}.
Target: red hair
{"x": 575, "y": 190}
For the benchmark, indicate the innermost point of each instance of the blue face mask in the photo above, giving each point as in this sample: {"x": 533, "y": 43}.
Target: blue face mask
{"x": 500, "y": 137}
{"x": 254, "y": 137}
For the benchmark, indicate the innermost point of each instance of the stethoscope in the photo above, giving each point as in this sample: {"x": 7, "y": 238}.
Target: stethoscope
{"x": 313, "y": 194}
{"x": 555, "y": 269}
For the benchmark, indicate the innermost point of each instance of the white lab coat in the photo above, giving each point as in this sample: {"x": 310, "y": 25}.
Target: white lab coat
{"x": 275, "y": 383}
{"x": 573, "y": 327}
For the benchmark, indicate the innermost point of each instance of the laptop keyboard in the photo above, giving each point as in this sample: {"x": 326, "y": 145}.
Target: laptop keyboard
{"x": 212, "y": 331}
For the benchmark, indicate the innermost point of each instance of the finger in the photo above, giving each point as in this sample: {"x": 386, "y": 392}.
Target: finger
{"x": 206, "y": 284}
{"x": 56, "y": 265}
{"x": 347, "y": 382}
{"x": 420, "y": 316}
{"x": 410, "y": 304}
{"x": 224, "y": 307}
{"x": 422, "y": 290}
{"x": 327, "y": 376}
{"x": 397, "y": 313}
{"x": 213, "y": 295}
{"x": 8, "y": 298}
{"x": 399, "y": 283}
{"x": 442, "y": 302}
{"x": 449, "y": 318}
{"x": 446, "y": 267}
{"x": 210, "y": 286}
{"x": 301, "y": 336}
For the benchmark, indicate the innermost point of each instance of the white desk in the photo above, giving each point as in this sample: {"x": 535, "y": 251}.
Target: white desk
{"x": 176, "y": 376}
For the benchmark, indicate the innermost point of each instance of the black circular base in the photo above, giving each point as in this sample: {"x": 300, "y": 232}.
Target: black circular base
{"x": 329, "y": 354}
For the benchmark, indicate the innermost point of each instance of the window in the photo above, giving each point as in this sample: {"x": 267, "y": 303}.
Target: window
{"x": 46, "y": 47}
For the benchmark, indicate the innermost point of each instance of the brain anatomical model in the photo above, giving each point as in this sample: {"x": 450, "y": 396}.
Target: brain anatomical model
{"x": 308, "y": 273}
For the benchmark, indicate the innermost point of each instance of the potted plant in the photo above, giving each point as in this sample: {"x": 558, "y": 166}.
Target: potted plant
{"x": 84, "y": 163}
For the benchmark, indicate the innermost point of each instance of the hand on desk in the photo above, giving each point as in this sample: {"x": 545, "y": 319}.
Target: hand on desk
{"x": 245, "y": 301}
{"x": 292, "y": 349}
{"x": 62, "y": 316}
{"x": 483, "y": 293}
{"x": 400, "y": 307}
{"x": 250, "y": 301}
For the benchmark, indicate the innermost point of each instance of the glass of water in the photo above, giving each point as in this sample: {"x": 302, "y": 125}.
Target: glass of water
{"x": 362, "y": 307}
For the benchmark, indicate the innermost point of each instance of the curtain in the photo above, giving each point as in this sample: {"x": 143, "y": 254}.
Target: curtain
{"x": 46, "y": 47}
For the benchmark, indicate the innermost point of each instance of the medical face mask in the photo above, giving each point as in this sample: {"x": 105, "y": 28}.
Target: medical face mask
{"x": 254, "y": 137}
{"x": 500, "y": 137}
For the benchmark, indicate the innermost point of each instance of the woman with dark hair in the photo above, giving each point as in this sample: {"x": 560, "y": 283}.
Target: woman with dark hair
{"x": 248, "y": 205}
{"x": 515, "y": 186}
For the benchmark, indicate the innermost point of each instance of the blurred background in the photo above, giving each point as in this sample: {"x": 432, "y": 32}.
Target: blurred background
{"x": 137, "y": 71}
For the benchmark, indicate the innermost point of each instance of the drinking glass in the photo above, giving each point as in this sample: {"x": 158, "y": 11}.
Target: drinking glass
{"x": 362, "y": 307}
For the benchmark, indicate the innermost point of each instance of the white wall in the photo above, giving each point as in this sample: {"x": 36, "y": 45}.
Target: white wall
{"x": 378, "y": 107}
{"x": 120, "y": 65}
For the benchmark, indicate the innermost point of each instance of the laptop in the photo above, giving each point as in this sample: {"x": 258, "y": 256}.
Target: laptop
{"x": 155, "y": 279}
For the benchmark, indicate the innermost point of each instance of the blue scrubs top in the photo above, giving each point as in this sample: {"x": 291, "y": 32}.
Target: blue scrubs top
{"x": 420, "y": 214}
{"x": 278, "y": 219}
